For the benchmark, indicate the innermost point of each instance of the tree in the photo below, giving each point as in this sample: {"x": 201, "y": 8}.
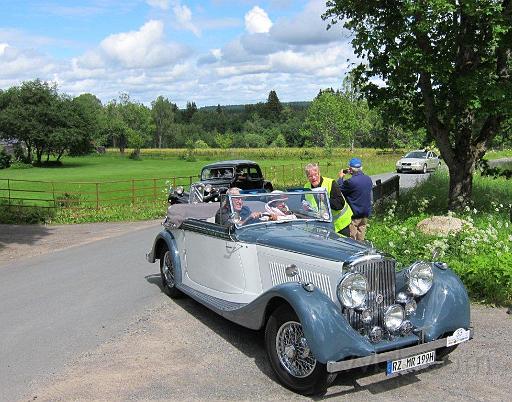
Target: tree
{"x": 92, "y": 111}
{"x": 162, "y": 112}
{"x": 28, "y": 113}
{"x": 334, "y": 119}
{"x": 273, "y": 107}
{"x": 189, "y": 112}
{"x": 450, "y": 60}
{"x": 45, "y": 121}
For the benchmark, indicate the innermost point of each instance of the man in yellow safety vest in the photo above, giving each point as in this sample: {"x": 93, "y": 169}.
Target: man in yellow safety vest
{"x": 341, "y": 212}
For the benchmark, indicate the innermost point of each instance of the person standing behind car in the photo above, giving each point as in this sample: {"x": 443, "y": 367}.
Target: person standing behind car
{"x": 358, "y": 192}
{"x": 341, "y": 212}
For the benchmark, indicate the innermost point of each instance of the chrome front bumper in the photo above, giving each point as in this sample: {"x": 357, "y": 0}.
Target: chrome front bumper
{"x": 334, "y": 367}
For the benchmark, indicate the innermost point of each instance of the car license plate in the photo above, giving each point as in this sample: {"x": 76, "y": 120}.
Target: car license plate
{"x": 408, "y": 363}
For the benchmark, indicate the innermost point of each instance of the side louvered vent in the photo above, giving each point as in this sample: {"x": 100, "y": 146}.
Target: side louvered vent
{"x": 321, "y": 281}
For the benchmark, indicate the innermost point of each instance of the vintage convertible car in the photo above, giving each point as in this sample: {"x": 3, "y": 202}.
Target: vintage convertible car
{"x": 327, "y": 303}
{"x": 216, "y": 178}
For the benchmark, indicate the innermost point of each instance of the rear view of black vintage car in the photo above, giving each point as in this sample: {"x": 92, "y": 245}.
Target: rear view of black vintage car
{"x": 215, "y": 180}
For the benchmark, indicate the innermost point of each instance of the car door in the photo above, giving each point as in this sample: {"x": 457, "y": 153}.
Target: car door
{"x": 212, "y": 259}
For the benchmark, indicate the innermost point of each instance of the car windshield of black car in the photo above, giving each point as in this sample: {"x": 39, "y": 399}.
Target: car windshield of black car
{"x": 217, "y": 173}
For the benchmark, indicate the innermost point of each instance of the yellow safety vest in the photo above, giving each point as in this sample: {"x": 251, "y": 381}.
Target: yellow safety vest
{"x": 341, "y": 219}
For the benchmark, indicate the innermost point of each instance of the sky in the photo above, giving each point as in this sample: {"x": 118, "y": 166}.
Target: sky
{"x": 209, "y": 52}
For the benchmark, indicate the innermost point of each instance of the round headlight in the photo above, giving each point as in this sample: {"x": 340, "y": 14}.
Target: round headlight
{"x": 352, "y": 290}
{"x": 420, "y": 278}
{"x": 208, "y": 188}
{"x": 393, "y": 317}
{"x": 179, "y": 190}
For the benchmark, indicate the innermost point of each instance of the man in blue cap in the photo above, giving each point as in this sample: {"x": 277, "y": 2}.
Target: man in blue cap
{"x": 358, "y": 193}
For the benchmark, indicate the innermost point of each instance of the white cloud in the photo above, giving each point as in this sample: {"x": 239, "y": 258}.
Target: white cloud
{"x": 21, "y": 64}
{"x": 143, "y": 48}
{"x": 184, "y": 18}
{"x": 3, "y": 46}
{"x": 257, "y": 21}
{"x": 162, "y": 4}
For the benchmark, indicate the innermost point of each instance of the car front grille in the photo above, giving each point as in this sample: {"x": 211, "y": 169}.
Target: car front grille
{"x": 196, "y": 193}
{"x": 380, "y": 275}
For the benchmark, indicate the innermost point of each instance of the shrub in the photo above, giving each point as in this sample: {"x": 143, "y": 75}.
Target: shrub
{"x": 21, "y": 165}
{"x": 19, "y": 214}
{"x": 67, "y": 200}
{"x": 135, "y": 155}
{"x": 5, "y": 159}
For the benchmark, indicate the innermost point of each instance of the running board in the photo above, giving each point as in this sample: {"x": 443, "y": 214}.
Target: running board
{"x": 214, "y": 303}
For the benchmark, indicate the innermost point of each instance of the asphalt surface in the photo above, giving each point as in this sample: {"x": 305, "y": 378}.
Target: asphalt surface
{"x": 61, "y": 304}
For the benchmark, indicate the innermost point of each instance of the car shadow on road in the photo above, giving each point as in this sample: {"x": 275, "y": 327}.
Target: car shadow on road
{"x": 251, "y": 343}
{"x": 21, "y": 234}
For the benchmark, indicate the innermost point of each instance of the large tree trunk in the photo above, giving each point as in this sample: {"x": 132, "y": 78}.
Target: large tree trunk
{"x": 461, "y": 183}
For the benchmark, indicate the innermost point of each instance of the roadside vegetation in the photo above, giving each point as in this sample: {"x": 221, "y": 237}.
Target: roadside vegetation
{"x": 481, "y": 253}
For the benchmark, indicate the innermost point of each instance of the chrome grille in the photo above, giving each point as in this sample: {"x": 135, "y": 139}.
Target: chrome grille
{"x": 196, "y": 193}
{"x": 381, "y": 282}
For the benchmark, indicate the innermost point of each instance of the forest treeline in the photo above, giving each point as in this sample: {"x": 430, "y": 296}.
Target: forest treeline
{"x": 50, "y": 124}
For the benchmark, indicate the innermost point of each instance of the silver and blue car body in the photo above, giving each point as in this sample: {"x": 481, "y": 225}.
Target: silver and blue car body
{"x": 328, "y": 303}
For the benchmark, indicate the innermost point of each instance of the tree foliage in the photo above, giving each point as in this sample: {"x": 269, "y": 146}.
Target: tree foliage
{"x": 46, "y": 122}
{"x": 448, "y": 62}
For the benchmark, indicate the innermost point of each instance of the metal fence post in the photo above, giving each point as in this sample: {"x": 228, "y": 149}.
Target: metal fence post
{"x": 154, "y": 189}
{"x": 53, "y": 195}
{"x": 133, "y": 192}
{"x": 97, "y": 195}
{"x": 9, "y": 191}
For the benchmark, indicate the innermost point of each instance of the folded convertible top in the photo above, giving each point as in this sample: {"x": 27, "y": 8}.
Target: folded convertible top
{"x": 177, "y": 213}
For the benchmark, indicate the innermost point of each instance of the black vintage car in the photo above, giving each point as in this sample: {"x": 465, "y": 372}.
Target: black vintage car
{"x": 217, "y": 177}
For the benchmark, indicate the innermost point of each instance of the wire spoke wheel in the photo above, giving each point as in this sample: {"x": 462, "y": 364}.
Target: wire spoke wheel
{"x": 168, "y": 270}
{"x": 293, "y": 350}
{"x": 168, "y": 275}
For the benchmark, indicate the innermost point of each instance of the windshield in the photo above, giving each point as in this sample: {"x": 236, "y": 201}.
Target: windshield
{"x": 276, "y": 207}
{"x": 417, "y": 155}
{"x": 217, "y": 173}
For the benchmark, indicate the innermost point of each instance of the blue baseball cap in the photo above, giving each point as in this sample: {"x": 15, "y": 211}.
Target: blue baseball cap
{"x": 355, "y": 163}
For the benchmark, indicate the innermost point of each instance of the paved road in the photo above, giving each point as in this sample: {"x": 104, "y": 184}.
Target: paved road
{"x": 407, "y": 180}
{"x": 55, "y": 306}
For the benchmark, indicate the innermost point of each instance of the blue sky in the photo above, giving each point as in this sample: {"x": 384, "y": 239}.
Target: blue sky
{"x": 210, "y": 52}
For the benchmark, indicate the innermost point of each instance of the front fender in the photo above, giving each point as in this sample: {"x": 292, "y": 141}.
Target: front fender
{"x": 166, "y": 239}
{"x": 444, "y": 308}
{"x": 329, "y": 335}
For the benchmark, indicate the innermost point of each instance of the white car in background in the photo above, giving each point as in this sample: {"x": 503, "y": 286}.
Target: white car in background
{"x": 418, "y": 161}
